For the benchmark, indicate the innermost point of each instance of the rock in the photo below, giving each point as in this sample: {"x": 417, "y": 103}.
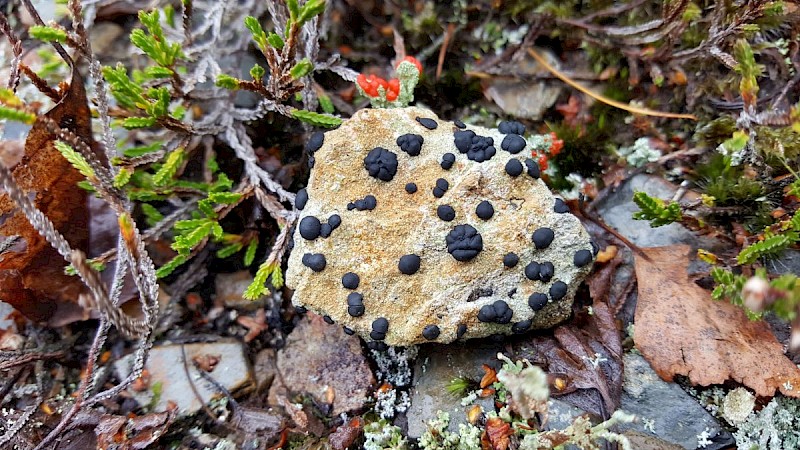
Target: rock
{"x": 436, "y": 366}
{"x": 461, "y": 283}
{"x": 265, "y": 368}
{"x": 665, "y": 410}
{"x": 166, "y": 370}
{"x": 323, "y": 361}
{"x": 526, "y": 99}
{"x": 231, "y": 286}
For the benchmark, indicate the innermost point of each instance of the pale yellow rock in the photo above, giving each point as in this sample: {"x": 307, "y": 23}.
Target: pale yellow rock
{"x": 444, "y": 292}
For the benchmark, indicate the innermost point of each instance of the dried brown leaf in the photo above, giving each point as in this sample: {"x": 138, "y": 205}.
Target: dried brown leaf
{"x": 680, "y": 330}
{"x": 497, "y": 434}
{"x": 345, "y": 435}
{"x": 32, "y": 277}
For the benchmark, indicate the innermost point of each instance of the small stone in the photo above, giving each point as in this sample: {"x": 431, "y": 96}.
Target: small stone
{"x": 301, "y": 199}
{"x": 350, "y": 280}
{"x": 464, "y": 242}
{"x": 533, "y": 168}
{"x": 560, "y": 207}
{"x": 381, "y": 164}
{"x": 532, "y": 271}
{"x": 513, "y": 143}
{"x": 446, "y": 212}
{"x": 537, "y": 301}
{"x": 409, "y": 264}
{"x": 543, "y": 237}
{"x": 558, "y": 290}
{"x": 484, "y": 210}
{"x": 546, "y": 271}
{"x": 427, "y": 123}
{"x": 325, "y": 230}
{"x": 327, "y": 320}
{"x": 510, "y": 260}
{"x": 514, "y": 167}
{"x": 309, "y": 228}
{"x": 511, "y": 127}
{"x": 582, "y": 258}
{"x": 430, "y": 332}
{"x": 314, "y": 261}
{"x": 411, "y": 188}
{"x": 459, "y": 124}
{"x": 448, "y": 159}
{"x": 410, "y": 143}
{"x": 315, "y": 142}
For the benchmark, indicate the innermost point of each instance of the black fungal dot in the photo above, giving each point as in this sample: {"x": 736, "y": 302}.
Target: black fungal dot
{"x": 510, "y": 260}
{"x": 334, "y": 221}
{"x": 595, "y": 248}
{"x": 367, "y": 203}
{"x": 311, "y": 162}
{"x": 427, "y": 123}
{"x": 582, "y": 258}
{"x": 511, "y": 127}
{"x": 477, "y": 148}
{"x": 381, "y": 164}
{"x": 411, "y": 188}
{"x": 497, "y": 312}
{"x": 461, "y": 125}
{"x": 325, "y": 230}
{"x": 327, "y": 320}
{"x": 503, "y": 312}
{"x": 514, "y": 167}
{"x": 410, "y": 143}
{"x": 348, "y": 331}
{"x": 461, "y": 331}
{"x": 558, "y": 290}
{"x": 350, "y": 280}
{"x": 513, "y": 143}
{"x": 377, "y": 346}
{"x": 301, "y": 199}
{"x": 484, "y": 210}
{"x": 409, "y": 264}
{"x": 309, "y": 228}
{"x": 512, "y": 292}
{"x": 533, "y": 168}
{"x": 315, "y": 142}
{"x": 532, "y": 270}
{"x": 314, "y": 261}
{"x": 537, "y": 301}
{"x": 380, "y": 327}
{"x": 430, "y": 332}
{"x": 464, "y": 242}
{"x": 355, "y": 304}
{"x": 543, "y": 237}
{"x": 300, "y": 309}
{"x": 521, "y": 327}
{"x": 448, "y": 159}
{"x": 446, "y": 212}
{"x": 560, "y": 207}
{"x": 441, "y": 187}
{"x": 546, "y": 271}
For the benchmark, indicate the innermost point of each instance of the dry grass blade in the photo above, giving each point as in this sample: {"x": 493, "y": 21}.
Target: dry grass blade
{"x": 601, "y": 98}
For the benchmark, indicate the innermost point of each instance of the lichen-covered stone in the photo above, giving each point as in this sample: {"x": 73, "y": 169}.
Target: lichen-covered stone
{"x": 461, "y": 262}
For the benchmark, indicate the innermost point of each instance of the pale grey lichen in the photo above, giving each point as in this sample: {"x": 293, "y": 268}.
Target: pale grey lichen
{"x": 583, "y": 434}
{"x": 436, "y": 437}
{"x": 640, "y": 153}
{"x": 381, "y": 435}
{"x": 527, "y": 385}
{"x": 776, "y": 427}
{"x": 737, "y": 405}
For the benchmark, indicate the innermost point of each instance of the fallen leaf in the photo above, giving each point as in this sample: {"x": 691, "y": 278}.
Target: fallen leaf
{"x": 133, "y": 433}
{"x": 497, "y": 434}
{"x": 680, "y": 330}
{"x": 32, "y": 277}
{"x": 585, "y": 354}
